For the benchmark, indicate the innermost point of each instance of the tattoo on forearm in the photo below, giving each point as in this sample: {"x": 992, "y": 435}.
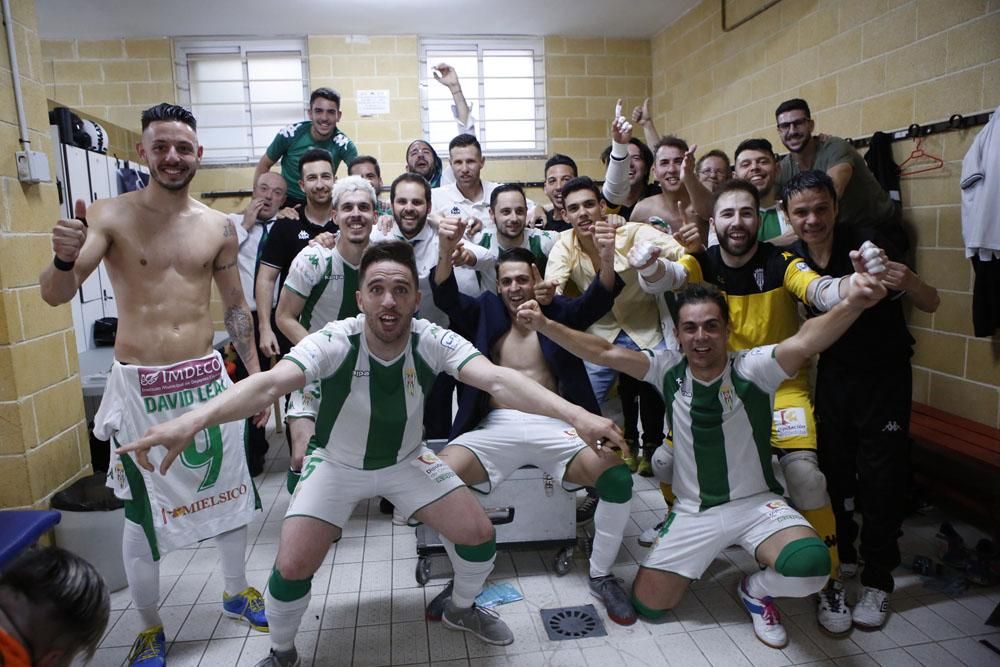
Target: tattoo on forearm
{"x": 239, "y": 324}
{"x": 223, "y": 267}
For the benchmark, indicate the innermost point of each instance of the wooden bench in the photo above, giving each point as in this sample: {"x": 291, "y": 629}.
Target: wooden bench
{"x": 959, "y": 460}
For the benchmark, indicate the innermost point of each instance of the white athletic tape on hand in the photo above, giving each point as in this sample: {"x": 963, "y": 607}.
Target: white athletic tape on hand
{"x": 872, "y": 256}
{"x": 639, "y": 256}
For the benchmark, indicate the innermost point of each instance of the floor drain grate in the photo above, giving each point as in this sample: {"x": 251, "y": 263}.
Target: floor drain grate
{"x": 573, "y": 623}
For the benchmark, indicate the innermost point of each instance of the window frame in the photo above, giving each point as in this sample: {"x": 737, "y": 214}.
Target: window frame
{"x": 243, "y": 47}
{"x": 478, "y": 103}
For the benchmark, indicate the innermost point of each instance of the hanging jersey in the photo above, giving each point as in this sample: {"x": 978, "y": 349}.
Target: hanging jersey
{"x": 208, "y": 490}
{"x": 372, "y": 411}
{"x": 722, "y": 429}
{"x": 327, "y": 282}
{"x": 538, "y": 241}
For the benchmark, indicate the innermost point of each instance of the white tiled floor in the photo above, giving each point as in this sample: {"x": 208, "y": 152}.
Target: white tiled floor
{"x": 367, "y": 608}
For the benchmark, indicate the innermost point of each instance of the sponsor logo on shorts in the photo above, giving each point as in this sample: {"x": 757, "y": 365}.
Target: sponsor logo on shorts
{"x": 790, "y": 422}
{"x": 434, "y": 467}
{"x": 205, "y": 503}
{"x": 185, "y": 375}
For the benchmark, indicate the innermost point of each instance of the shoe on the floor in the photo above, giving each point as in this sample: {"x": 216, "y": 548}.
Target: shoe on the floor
{"x": 484, "y": 624}
{"x": 247, "y": 605}
{"x": 847, "y": 571}
{"x": 832, "y": 613}
{"x": 397, "y": 518}
{"x": 149, "y": 649}
{"x": 870, "y": 611}
{"x": 288, "y": 658}
{"x": 645, "y": 468}
{"x": 648, "y": 537}
{"x": 608, "y": 589}
{"x": 765, "y": 616}
{"x": 436, "y": 606}
{"x": 585, "y": 510}
{"x": 385, "y": 506}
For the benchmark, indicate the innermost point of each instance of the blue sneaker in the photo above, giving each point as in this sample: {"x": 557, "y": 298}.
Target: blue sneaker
{"x": 149, "y": 649}
{"x": 247, "y": 605}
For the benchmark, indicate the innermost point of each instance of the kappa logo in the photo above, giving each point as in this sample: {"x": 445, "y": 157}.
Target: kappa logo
{"x": 891, "y": 427}
{"x": 456, "y": 210}
{"x": 303, "y": 235}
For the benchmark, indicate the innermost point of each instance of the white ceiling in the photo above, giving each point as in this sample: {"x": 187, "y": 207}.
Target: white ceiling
{"x": 97, "y": 19}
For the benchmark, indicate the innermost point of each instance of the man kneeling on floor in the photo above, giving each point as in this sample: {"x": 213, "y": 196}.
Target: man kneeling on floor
{"x": 491, "y": 440}
{"x": 375, "y": 370}
{"x": 719, "y": 406}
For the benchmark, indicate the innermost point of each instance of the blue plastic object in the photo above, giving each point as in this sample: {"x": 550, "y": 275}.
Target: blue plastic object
{"x": 19, "y": 529}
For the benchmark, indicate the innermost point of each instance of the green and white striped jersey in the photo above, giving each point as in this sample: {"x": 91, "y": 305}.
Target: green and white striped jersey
{"x": 538, "y": 241}
{"x": 372, "y": 413}
{"x": 722, "y": 429}
{"x": 328, "y": 284}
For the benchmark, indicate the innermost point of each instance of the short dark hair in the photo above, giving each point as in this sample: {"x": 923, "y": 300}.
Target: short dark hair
{"x": 671, "y": 141}
{"x": 701, "y": 293}
{"x": 736, "y": 185}
{"x": 400, "y": 252}
{"x": 811, "y": 179}
{"x": 464, "y": 140}
{"x": 792, "y": 105}
{"x": 326, "y": 94}
{"x": 165, "y": 111}
{"x": 505, "y": 187}
{"x": 714, "y": 153}
{"x": 315, "y": 155}
{"x": 559, "y": 158}
{"x": 515, "y": 255}
{"x": 754, "y": 144}
{"x": 581, "y": 183}
{"x": 365, "y": 159}
{"x": 68, "y": 590}
{"x": 410, "y": 177}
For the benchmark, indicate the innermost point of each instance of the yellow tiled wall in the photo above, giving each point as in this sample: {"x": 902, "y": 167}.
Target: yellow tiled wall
{"x": 863, "y": 65}
{"x": 43, "y": 438}
{"x": 113, "y": 79}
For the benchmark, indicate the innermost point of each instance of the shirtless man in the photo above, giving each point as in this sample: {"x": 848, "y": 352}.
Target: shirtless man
{"x": 162, "y": 250}
{"x": 674, "y": 168}
{"x": 494, "y": 440}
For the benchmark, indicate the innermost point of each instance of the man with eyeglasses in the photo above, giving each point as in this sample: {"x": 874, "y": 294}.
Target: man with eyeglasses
{"x": 713, "y": 169}
{"x": 861, "y": 200}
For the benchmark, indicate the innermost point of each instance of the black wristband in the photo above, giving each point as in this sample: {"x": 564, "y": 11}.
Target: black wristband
{"x": 62, "y": 265}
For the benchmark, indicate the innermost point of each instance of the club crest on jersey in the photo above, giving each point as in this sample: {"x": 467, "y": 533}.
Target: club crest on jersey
{"x": 410, "y": 379}
{"x": 758, "y": 277}
{"x": 726, "y": 395}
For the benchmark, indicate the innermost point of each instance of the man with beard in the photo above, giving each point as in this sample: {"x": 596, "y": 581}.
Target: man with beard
{"x": 762, "y": 285}
{"x": 162, "y": 249}
{"x": 378, "y": 367}
{"x": 292, "y": 143}
{"x": 253, "y": 227}
{"x": 509, "y": 215}
{"x": 410, "y": 196}
{"x": 491, "y": 440}
{"x": 861, "y": 200}
{"x": 755, "y": 162}
{"x": 289, "y": 237}
{"x": 320, "y": 289}
{"x": 421, "y": 158}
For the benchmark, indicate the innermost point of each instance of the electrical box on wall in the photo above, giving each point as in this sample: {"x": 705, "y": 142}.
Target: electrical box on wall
{"x": 33, "y": 167}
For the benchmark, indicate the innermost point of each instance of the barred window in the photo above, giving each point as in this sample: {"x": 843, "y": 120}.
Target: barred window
{"x": 503, "y": 80}
{"x": 242, "y": 92}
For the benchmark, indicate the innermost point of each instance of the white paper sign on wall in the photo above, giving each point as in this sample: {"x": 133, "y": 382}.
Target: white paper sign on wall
{"x": 373, "y": 102}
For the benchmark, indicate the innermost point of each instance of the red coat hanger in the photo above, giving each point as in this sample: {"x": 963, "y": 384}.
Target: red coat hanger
{"x": 919, "y": 154}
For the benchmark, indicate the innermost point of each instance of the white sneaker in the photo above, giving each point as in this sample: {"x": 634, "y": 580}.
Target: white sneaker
{"x": 871, "y": 609}
{"x": 847, "y": 571}
{"x": 397, "y": 518}
{"x": 766, "y": 618}
{"x": 833, "y": 614}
